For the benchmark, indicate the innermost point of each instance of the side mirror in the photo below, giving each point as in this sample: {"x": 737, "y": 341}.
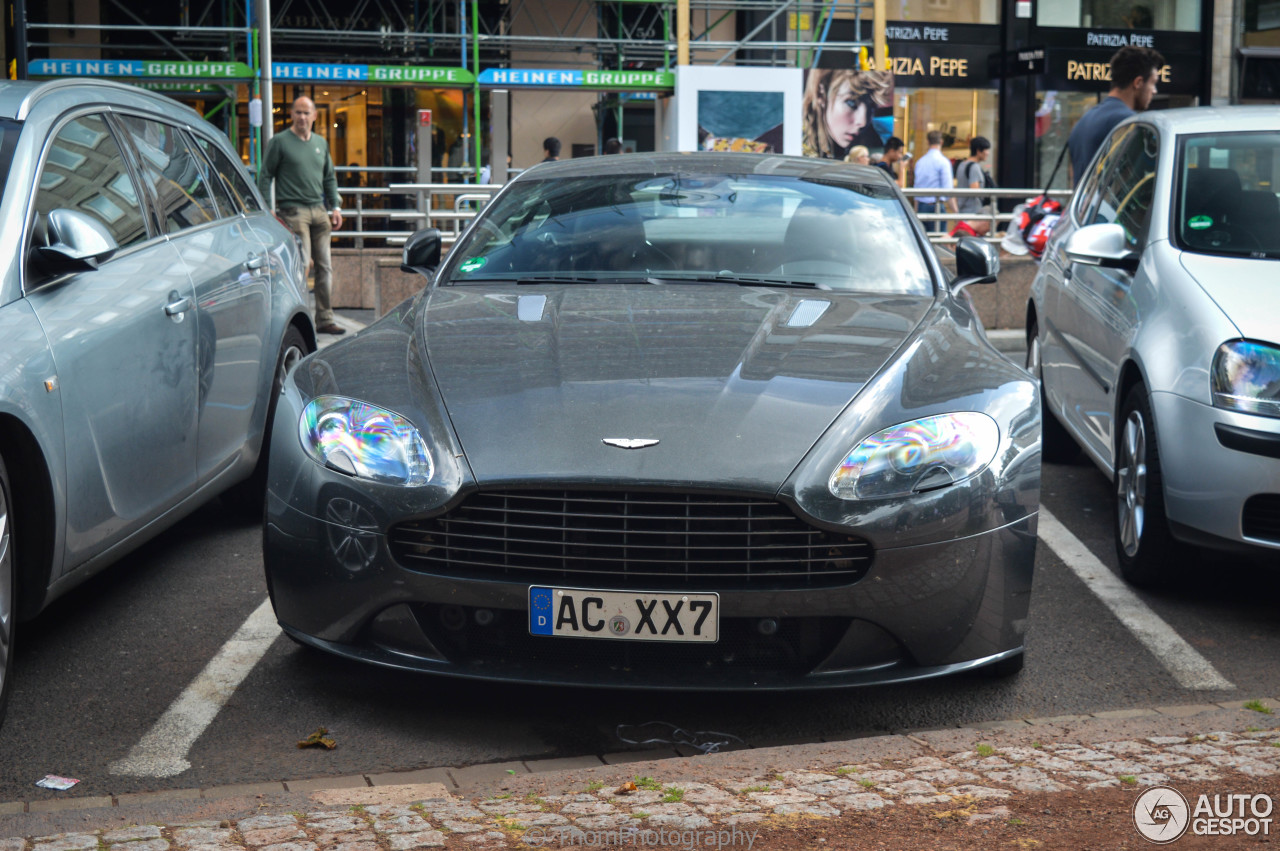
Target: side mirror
{"x": 977, "y": 262}
{"x": 1102, "y": 245}
{"x": 77, "y": 243}
{"x": 422, "y": 252}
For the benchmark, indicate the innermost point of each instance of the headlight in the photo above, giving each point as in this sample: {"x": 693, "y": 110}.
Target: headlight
{"x": 1246, "y": 377}
{"x": 364, "y": 441}
{"x": 921, "y": 455}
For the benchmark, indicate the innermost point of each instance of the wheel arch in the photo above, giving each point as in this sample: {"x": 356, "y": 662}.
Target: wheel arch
{"x": 1131, "y": 375}
{"x": 303, "y": 324}
{"x": 33, "y": 513}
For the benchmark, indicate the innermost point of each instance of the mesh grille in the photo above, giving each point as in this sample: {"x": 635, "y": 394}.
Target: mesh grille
{"x": 630, "y": 540}
{"x": 1261, "y": 518}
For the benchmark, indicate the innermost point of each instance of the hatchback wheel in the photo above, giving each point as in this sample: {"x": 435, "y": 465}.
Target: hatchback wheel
{"x": 1056, "y": 443}
{"x": 8, "y": 590}
{"x": 1143, "y": 542}
{"x": 250, "y": 495}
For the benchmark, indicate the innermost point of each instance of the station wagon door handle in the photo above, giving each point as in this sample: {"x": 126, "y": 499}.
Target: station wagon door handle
{"x": 179, "y": 307}
{"x": 255, "y": 262}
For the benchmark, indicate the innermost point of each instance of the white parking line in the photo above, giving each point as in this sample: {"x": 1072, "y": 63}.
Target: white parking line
{"x": 162, "y": 752}
{"x": 1179, "y": 658}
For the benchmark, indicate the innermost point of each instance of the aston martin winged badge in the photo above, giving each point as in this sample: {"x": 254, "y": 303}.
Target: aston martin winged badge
{"x": 629, "y": 442}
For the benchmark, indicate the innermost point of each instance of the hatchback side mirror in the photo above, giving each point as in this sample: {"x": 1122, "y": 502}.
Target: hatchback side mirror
{"x": 77, "y": 243}
{"x": 422, "y": 252}
{"x": 977, "y": 262}
{"x": 1102, "y": 245}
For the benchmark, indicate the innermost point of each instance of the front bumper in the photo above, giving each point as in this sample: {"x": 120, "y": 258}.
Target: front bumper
{"x": 920, "y": 611}
{"x": 1208, "y": 485}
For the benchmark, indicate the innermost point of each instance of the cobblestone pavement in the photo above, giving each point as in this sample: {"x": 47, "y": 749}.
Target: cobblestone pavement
{"x": 980, "y": 769}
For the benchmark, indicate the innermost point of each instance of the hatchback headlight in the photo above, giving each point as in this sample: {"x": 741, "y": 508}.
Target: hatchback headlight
{"x": 364, "y": 441}
{"x": 1246, "y": 377}
{"x": 921, "y": 455}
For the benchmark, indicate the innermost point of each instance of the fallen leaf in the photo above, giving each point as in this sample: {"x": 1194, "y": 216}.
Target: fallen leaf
{"x": 318, "y": 740}
{"x": 626, "y": 788}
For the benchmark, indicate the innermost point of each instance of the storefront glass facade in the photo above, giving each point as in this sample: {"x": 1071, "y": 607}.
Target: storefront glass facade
{"x": 959, "y": 114}
{"x": 944, "y": 11}
{"x": 1170, "y": 15}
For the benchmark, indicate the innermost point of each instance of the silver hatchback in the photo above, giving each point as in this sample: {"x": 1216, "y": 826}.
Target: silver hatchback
{"x": 149, "y": 307}
{"x": 1154, "y": 323}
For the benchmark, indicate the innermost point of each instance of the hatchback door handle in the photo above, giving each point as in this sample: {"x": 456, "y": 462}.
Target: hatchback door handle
{"x": 179, "y": 307}
{"x": 255, "y": 262}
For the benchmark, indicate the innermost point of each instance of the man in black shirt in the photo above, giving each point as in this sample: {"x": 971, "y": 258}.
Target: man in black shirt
{"x": 893, "y": 153}
{"x": 1134, "y": 71}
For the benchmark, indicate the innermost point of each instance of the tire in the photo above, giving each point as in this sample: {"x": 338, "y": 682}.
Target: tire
{"x": 1056, "y": 443}
{"x": 1144, "y": 544}
{"x": 8, "y": 589}
{"x": 250, "y": 495}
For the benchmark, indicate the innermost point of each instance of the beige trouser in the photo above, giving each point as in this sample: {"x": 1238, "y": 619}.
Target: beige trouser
{"x": 313, "y": 227}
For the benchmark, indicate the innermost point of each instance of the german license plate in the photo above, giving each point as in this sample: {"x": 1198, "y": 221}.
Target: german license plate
{"x": 624, "y": 615}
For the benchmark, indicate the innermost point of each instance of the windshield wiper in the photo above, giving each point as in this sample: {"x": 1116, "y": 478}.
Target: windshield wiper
{"x": 556, "y": 279}
{"x": 746, "y": 282}
{"x": 570, "y": 279}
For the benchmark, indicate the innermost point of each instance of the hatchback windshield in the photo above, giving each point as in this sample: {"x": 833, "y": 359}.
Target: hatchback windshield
{"x": 1227, "y": 200}
{"x": 695, "y": 228}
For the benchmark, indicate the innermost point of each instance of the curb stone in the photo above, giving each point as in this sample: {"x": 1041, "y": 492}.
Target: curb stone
{"x": 983, "y": 768}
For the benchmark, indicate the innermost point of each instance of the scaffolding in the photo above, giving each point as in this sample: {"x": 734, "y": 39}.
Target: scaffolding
{"x": 632, "y": 33}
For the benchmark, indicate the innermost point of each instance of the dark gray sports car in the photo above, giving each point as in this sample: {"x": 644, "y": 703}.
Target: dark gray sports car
{"x": 680, "y": 421}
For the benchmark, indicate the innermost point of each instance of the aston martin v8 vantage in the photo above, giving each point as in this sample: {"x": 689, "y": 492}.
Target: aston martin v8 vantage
{"x": 680, "y": 421}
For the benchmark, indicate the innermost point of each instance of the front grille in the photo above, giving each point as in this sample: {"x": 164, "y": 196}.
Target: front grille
{"x": 1261, "y": 517}
{"x": 797, "y": 646}
{"x": 634, "y": 540}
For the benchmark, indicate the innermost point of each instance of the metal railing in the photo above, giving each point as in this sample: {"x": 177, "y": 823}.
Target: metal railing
{"x": 997, "y": 220}
{"x": 449, "y": 206}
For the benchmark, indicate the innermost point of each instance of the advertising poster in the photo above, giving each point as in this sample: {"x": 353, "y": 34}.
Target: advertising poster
{"x": 741, "y": 121}
{"x": 737, "y": 109}
{"x": 846, "y": 108}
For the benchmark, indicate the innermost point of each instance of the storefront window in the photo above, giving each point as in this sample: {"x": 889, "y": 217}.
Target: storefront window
{"x": 1056, "y": 114}
{"x": 1182, "y": 15}
{"x": 960, "y": 114}
{"x": 944, "y": 11}
{"x": 1261, "y": 23}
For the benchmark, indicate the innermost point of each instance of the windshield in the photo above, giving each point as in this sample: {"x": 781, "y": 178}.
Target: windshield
{"x": 1227, "y": 200}
{"x": 742, "y": 229}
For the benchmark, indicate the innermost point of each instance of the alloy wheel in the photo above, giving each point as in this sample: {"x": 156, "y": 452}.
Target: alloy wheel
{"x": 288, "y": 360}
{"x": 1131, "y": 483}
{"x": 7, "y": 603}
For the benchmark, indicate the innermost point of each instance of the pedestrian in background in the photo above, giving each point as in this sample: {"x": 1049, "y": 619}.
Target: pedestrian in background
{"x": 612, "y": 145}
{"x": 933, "y": 171}
{"x": 551, "y": 148}
{"x": 894, "y": 152}
{"x": 971, "y": 175}
{"x": 306, "y": 199}
{"x": 859, "y": 154}
{"x": 1134, "y": 71}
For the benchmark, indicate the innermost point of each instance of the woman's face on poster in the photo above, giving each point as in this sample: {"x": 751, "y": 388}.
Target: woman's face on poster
{"x": 846, "y": 115}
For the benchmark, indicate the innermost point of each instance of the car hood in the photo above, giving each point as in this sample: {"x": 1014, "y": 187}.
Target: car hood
{"x": 1245, "y": 289}
{"x": 736, "y": 384}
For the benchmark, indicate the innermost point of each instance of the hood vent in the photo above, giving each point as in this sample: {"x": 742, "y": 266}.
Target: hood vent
{"x": 807, "y": 312}
{"x": 529, "y": 308}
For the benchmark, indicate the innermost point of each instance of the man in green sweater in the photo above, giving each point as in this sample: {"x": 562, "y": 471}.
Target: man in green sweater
{"x": 306, "y": 198}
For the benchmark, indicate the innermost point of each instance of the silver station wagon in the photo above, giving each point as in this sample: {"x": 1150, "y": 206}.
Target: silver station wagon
{"x": 1155, "y": 324}
{"x": 149, "y": 307}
